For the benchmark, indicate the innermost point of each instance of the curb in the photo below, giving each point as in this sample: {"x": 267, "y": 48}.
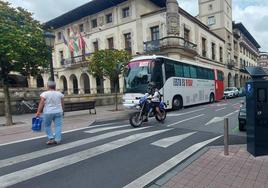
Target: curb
{"x": 163, "y": 179}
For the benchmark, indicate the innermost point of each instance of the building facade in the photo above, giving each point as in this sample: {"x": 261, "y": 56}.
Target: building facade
{"x": 263, "y": 59}
{"x": 149, "y": 27}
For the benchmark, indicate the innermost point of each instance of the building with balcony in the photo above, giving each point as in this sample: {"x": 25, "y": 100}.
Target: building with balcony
{"x": 246, "y": 51}
{"x": 263, "y": 59}
{"x": 149, "y": 27}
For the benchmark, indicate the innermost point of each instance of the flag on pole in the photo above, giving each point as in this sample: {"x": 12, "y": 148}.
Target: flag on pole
{"x": 64, "y": 39}
{"x": 81, "y": 42}
{"x": 72, "y": 43}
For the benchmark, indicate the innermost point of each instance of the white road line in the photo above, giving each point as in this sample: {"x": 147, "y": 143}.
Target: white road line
{"x": 166, "y": 166}
{"x": 34, "y": 171}
{"x": 219, "y": 119}
{"x": 231, "y": 113}
{"x": 220, "y": 109}
{"x": 235, "y": 104}
{"x": 185, "y": 120}
{"x": 34, "y": 138}
{"x": 166, "y": 142}
{"x": 106, "y": 128}
{"x": 186, "y": 112}
{"x": 48, "y": 151}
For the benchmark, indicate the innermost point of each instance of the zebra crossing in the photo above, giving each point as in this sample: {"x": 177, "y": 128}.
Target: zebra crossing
{"x": 102, "y": 140}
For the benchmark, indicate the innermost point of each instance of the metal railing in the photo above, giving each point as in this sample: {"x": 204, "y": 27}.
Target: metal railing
{"x": 174, "y": 41}
{"x": 75, "y": 60}
{"x": 152, "y": 46}
{"x": 167, "y": 42}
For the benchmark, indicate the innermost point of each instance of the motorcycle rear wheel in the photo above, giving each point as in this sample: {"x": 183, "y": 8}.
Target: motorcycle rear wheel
{"x": 134, "y": 119}
{"x": 164, "y": 115}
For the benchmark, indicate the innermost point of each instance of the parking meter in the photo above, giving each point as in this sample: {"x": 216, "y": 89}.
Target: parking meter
{"x": 257, "y": 111}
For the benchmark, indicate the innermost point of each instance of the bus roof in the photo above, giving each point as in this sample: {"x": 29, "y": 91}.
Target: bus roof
{"x": 148, "y": 57}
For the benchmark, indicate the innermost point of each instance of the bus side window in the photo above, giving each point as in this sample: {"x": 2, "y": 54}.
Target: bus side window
{"x": 169, "y": 69}
{"x": 220, "y": 75}
{"x": 193, "y": 72}
{"x": 178, "y": 70}
{"x": 186, "y": 71}
{"x": 157, "y": 74}
{"x": 211, "y": 75}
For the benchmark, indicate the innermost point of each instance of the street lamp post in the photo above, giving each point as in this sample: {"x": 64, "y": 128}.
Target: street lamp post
{"x": 50, "y": 39}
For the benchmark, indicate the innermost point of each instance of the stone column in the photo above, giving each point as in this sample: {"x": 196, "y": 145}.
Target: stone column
{"x": 93, "y": 84}
{"x": 32, "y": 82}
{"x": 121, "y": 83}
{"x": 107, "y": 85}
{"x": 173, "y": 18}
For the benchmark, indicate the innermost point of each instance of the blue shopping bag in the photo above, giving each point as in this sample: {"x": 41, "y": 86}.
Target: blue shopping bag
{"x": 37, "y": 124}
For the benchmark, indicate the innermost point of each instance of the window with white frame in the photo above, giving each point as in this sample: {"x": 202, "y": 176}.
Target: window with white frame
{"x": 211, "y": 20}
{"x": 155, "y": 33}
{"x": 94, "y": 23}
{"x": 59, "y": 36}
{"x": 125, "y": 12}
{"x": 109, "y": 18}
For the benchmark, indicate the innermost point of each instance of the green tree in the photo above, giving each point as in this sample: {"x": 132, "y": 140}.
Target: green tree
{"x": 109, "y": 63}
{"x": 22, "y": 48}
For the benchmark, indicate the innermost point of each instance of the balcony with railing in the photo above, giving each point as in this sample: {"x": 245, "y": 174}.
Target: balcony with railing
{"x": 74, "y": 61}
{"x": 230, "y": 64}
{"x": 172, "y": 42}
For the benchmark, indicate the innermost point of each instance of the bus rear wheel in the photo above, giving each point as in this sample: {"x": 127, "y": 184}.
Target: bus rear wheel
{"x": 177, "y": 103}
{"x": 211, "y": 98}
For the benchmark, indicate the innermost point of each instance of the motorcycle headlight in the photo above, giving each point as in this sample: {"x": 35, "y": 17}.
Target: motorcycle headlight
{"x": 138, "y": 107}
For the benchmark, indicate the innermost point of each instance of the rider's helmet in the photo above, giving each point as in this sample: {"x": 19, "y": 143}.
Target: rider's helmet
{"x": 151, "y": 87}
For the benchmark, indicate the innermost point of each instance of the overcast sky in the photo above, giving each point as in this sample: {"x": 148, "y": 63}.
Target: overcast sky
{"x": 252, "y": 13}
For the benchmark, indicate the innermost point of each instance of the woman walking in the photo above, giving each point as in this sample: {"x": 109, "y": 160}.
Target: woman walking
{"x": 52, "y": 104}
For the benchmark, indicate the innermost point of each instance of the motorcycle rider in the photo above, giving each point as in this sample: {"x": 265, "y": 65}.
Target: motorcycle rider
{"x": 155, "y": 97}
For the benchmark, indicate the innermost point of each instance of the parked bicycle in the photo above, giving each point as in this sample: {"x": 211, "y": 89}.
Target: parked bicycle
{"x": 26, "y": 106}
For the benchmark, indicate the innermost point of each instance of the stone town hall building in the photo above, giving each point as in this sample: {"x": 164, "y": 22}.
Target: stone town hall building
{"x": 145, "y": 27}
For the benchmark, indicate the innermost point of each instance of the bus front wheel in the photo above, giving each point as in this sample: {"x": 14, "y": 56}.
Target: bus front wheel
{"x": 177, "y": 103}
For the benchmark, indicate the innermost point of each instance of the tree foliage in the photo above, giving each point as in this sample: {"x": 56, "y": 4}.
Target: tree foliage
{"x": 22, "y": 45}
{"x": 108, "y": 63}
{"x": 22, "y": 48}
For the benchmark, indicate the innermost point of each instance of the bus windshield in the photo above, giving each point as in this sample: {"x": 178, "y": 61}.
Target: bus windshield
{"x": 137, "y": 77}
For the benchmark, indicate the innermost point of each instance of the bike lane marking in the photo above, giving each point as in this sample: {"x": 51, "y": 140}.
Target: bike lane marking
{"x": 185, "y": 120}
{"x": 106, "y": 128}
{"x": 43, "y": 168}
{"x": 171, "y": 115}
{"x": 166, "y": 142}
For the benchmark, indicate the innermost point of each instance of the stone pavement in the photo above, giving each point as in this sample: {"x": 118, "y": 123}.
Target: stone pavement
{"x": 213, "y": 169}
{"x": 72, "y": 120}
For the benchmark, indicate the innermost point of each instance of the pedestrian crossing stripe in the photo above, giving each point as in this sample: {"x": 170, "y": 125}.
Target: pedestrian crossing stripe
{"x": 34, "y": 171}
{"x": 40, "y": 153}
{"x": 166, "y": 166}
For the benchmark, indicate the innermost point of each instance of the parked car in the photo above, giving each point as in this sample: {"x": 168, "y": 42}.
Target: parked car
{"x": 230, "y": 92}
{"x": 242, "y": 116}
{"x": 242, "y": 92}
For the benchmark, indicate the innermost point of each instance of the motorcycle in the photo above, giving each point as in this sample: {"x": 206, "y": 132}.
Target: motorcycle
{"x": 145, "y": 110}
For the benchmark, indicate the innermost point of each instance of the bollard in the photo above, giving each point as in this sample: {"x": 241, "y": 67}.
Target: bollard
{"x": 226, "y": 137}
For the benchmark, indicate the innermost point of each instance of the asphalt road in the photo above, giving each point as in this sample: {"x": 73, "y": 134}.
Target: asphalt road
{"x": 116, "y": 155}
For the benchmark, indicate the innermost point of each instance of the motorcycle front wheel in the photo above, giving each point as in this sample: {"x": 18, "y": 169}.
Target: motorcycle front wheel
{"x": 134, "y": 119}
{"x": 163, "y": 115}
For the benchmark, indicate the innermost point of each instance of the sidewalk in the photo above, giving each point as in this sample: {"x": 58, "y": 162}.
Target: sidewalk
{"x": 213, "y": 169}
{"x": 72, "y": 120}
